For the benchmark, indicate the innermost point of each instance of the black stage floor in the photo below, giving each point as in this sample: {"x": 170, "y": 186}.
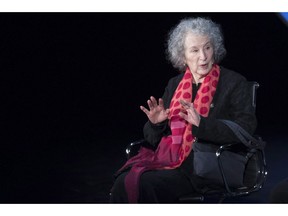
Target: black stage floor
{"x": 87, "y": 176}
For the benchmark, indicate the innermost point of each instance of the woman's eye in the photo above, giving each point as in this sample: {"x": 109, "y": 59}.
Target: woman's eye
{"x": 194, "y": 51}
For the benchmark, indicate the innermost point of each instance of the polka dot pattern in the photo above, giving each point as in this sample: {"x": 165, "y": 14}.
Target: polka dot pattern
{"x": 176, "y": 111}
{"x": 186, "y": 85}
{"x": 187, "y": 95}
{"x": 213, "y": 93}
{"x": 180, "y": 86}
{"x": 188, "y": 75}
{"x": 215, "y": 73}
{"x": 207, "y": 79}
{"x": 214, "y": 83}
{"x": 175, "y": 148}
{"x": 178, "y": 94}
{"x": 205, "y": 89}
{"x": 203, "y": 110}
{"x": 187, "y": 148}
{"x": 202, "y": 102}
{"x": 205, "y": 99}
{"x": 177, "y": 103}
{"x": 189, "y": 138}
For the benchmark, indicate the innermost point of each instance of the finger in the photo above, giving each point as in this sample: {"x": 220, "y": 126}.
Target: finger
{"x": 161, "y": 103}
{"x": 150, "y": 104}
{"x": 188, "y": 105}
{"x": 154, "y": 101}
{"x": 192, "y": 112}
{"x": 167, "y": 111}
{"x": 183, "y": 115}
{"x": 144, "y": 110}
{"x": 194, "y": 117}
{"x": 185, "y": 104}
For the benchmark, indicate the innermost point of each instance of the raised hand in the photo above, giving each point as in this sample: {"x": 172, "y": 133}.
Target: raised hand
{"x": 191, "y": 116}
{"x": 156, "y": 113}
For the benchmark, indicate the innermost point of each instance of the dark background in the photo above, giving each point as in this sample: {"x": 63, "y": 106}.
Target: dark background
{"x": 71, "y": 86}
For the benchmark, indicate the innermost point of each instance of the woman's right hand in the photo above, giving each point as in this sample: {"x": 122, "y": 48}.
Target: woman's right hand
{"x": 156, "y": 113}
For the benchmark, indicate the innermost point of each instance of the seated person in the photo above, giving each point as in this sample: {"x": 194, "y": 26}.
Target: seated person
{"x": 193, "y": 103}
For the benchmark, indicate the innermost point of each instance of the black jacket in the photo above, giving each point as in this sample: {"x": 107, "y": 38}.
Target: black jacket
{"x": 232, "y": 101}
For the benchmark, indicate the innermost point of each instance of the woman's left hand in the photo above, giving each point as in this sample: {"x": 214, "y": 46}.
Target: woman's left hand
{"x": 192, "y": 116}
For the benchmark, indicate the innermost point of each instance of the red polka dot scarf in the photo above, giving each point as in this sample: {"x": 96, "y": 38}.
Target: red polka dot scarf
{"x": 175, "y": 148}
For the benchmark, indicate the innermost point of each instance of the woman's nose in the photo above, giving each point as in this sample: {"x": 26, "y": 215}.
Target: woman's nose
{"x": 203, "y": 55}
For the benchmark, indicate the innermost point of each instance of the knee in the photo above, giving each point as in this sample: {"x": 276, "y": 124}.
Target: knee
{"x": 149, "y": 188}
{"x": 118, "y": 192}
{"x": 147, "y": 181}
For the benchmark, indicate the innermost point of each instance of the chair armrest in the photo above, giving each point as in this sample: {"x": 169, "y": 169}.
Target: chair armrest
{"x": 134, "y": 147}
{"x": 261, "y": 172}
{"x": 221, "y": 149}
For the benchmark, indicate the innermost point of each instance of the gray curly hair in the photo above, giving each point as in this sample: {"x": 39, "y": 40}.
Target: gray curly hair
{"x": 200, "y": 26}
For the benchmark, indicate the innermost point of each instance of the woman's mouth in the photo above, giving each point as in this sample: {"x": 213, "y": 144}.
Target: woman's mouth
{"x": 203, "y": 66}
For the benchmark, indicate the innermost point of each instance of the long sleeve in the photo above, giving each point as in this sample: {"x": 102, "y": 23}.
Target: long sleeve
{"x": 235, "y": 103}
{"x": 232, "y": 101}
{"x": 154, "y": 132}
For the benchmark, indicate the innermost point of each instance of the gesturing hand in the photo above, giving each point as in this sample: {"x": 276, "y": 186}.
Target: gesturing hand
{"x": 192, "y": 116}
{"x": 156, "y": 113}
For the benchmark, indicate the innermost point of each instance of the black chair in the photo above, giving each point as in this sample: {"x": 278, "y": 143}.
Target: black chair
{"x": 254, "y": 176}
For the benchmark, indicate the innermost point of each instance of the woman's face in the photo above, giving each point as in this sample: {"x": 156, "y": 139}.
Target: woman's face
{"x": 198, "y": 55}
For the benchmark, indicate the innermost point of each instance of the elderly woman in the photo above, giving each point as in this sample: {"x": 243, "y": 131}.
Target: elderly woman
{"x": 191, "y": 108}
